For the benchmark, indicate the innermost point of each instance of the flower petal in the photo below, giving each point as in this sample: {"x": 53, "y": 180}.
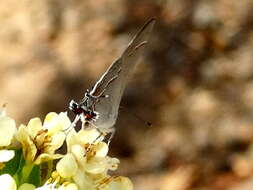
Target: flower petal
{"x": 7, "y": 182}
{"x": 44, "y": 157}
{"x": 6, "y": 155}
{"x": 71, "y": 139}
{"x": 56, "y": 122}
{"x": 101, "y": 149}
{"x": 67, "y": 166}
{"x": 7, "y": 130}
{"x": 96, "y": 165}
{"x": 56, "y": 142}
{"x": 34, "y": 126}
{"x": 117, "y": 183}
{"x": 70, "y": 186}
{"x": 26, "y": 186}
{"x": 79, "y": 154}
{"x": 83, "y": 181}
{"x": 88, "y": 135}
{"x": 28, "y": 146}
{"x": 112, "y": 163}
{"x": 64, "y": 120}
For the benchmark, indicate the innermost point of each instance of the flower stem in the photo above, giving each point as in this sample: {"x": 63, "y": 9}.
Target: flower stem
{"x": 49, "y": 171}
{"x": 26, "y": 172}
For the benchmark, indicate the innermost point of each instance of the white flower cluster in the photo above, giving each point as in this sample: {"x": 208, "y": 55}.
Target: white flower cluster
{"x": 85, "y": 166}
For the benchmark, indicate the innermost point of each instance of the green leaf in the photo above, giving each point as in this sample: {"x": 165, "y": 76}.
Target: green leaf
{"x": 12, "y": 166}
{"x": 18, "y": 175}
{"x": 34, "y": 177}
{"x": 22, "y": 171}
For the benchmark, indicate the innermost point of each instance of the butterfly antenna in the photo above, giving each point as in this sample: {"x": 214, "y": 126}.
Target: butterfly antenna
{"x": 147, "y": 123}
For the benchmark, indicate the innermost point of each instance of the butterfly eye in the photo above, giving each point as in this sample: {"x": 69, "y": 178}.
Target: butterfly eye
{"x": 74, "y": 106}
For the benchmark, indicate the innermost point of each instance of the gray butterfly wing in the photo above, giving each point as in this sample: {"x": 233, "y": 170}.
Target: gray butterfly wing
{"x": 114, "y": 80}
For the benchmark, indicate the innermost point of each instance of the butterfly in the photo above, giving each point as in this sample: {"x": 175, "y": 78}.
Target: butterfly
{"x": 100, "y": 105}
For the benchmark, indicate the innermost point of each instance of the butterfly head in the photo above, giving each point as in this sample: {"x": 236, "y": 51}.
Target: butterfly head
{"x": 84, "y": 110}
{"x": 75, "y": 107}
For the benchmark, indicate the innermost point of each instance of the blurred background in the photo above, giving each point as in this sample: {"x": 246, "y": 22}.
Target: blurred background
{"x": 194, "y": 83}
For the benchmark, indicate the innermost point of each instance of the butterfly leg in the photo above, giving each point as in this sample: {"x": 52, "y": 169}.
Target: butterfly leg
{"x": 73, "y": 124}
{"x": 103, "y": 134}
{"x": 100, "y": 137}
{"x": 112, "y": 132}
